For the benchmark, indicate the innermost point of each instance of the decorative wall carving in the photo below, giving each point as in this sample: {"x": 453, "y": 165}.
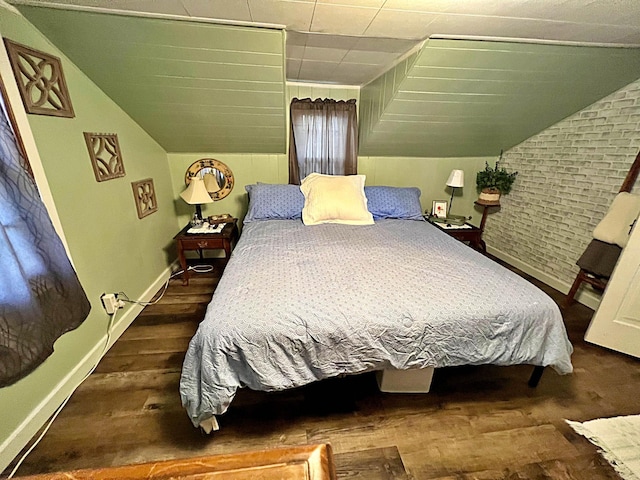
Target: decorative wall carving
{"x": 145, "y": 197}
{"x": 105, "y": 154}
{"x": 40, "y": 81}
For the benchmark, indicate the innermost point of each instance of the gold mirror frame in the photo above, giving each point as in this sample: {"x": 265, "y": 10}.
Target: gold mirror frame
{"x": 205, "y": 165}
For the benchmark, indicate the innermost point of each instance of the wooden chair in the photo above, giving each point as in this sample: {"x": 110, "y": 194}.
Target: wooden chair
{"x": 597, "y": 279}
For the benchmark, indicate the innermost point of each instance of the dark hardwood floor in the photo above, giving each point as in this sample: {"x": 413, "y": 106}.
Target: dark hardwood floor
{"x": 477, "y": 422}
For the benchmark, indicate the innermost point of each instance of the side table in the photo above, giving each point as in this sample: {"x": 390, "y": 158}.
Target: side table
{"x": 485, "y": 210}
{"x": 205, "y": 241}
{"x": 464, "y": 233}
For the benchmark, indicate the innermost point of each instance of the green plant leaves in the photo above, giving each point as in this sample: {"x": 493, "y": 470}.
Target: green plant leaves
{"x": 496, "y": 177}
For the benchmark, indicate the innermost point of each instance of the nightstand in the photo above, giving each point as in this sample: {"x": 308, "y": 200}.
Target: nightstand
{"x": 205, "y": 241}
{"x": 464, "y": 233}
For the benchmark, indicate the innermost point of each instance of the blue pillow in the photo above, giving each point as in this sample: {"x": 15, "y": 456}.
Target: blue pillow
{"x": 274, "y": 202}
{"x": 394, "y": 202}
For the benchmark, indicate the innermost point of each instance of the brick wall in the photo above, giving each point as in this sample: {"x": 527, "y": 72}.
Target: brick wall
{"x": 568, "y": 177}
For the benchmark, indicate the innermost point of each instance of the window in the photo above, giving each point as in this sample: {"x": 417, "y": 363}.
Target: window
{"x": 323, "y": 138}
{"x": 40, "y": 295}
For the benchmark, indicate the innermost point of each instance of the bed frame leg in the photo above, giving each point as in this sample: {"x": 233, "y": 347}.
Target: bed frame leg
{"x": 535, "y": 376}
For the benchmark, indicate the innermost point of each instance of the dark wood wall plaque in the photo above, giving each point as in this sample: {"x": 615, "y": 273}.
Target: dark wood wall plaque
{"x": 105, "y": 154}
{"x": 145, "y": 197}
{"x": 40, "y": 80}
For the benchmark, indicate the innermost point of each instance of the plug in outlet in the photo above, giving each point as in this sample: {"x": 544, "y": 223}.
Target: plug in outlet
{"x": 111, "y": 303}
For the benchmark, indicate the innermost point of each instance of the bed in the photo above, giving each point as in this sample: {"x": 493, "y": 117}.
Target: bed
{"x": 299, "y": 303}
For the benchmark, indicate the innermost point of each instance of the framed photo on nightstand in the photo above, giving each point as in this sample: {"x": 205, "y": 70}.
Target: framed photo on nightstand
{"x": 439, "y": 208}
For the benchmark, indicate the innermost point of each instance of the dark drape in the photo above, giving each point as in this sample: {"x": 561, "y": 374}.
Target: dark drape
{"x": 323, "y": 138}
{"x": 40, "y": 295}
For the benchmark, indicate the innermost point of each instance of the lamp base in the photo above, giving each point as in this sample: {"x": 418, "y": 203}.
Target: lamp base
{"x": 197, "y": 216}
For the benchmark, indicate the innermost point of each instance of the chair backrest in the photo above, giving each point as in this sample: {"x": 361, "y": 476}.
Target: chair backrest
{"x": 598, "y": 260}
{"x": 632, "y": 175}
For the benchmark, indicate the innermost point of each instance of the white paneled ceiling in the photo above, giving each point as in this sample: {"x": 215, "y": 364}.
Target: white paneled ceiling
{"x": 351, "y": 42}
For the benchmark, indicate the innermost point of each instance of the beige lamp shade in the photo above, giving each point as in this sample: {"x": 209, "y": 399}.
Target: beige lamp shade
{"x": 456, "y": 179}
{"x": 211, "y": 183}
{"x": 196, "y": 193}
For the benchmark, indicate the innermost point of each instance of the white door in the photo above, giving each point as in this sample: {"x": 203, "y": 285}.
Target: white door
{"x": 616, "y": 323}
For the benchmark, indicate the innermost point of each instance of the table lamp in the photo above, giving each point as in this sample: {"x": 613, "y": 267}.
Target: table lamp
{"x": 196, "y": 194}
{"x": 456, "y": 180}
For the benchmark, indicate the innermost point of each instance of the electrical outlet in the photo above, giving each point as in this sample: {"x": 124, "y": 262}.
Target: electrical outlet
{"x": 111, "y": 303}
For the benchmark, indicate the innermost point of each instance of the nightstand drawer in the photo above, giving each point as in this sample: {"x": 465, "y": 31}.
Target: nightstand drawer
{"x": 465, "y": 235}
{"x": 200, "y": 243}
{"x": 205, "y": 241}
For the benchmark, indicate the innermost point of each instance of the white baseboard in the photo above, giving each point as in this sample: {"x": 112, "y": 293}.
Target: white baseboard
{"x": 586, "y": 298}
{"x": 21, "y": 436}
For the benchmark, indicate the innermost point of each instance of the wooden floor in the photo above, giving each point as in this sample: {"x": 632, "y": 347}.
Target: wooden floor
{"x": 477, "y": 423}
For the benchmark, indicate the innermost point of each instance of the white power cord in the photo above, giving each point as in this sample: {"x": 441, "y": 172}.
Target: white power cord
{"x": 201, "y": 268}
{"x": 195, "y": 268}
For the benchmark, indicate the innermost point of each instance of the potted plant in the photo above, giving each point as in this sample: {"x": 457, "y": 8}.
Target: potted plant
{"x": 493, "y": 182}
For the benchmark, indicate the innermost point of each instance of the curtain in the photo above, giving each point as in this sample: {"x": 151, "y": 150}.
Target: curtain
{"x": 323, "y": 138}
{"x": 40, "y": 295}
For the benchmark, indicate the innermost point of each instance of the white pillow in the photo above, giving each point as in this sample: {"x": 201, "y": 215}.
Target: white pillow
{"x": 335, "y": 199}
{"x": 616, "y": 224}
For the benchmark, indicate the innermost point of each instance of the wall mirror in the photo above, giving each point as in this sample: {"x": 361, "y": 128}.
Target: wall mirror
{"x": 217, "y": 177}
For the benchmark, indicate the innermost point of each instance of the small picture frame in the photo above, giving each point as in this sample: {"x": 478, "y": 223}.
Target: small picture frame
{"x": 439, "y": 208}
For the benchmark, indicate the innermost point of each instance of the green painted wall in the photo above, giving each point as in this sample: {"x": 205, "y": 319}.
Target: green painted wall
{"x": 111, "y": 248}
{"x": 379, "y": 93}
{"x": 247, "y": 169}
{"x": 313, "y": 91}
{"x": 429, "y": 174}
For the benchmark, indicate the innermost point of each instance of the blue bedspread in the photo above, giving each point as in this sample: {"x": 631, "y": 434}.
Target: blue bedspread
{"x": 297, "y": 304}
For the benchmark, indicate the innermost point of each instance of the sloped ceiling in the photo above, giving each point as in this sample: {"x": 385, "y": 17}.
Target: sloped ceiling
{"x": 351, "y": 42}
{"x": 475, "y": 98}
{"x": 197, "y": 86}
{"x": 193, "y": 86}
